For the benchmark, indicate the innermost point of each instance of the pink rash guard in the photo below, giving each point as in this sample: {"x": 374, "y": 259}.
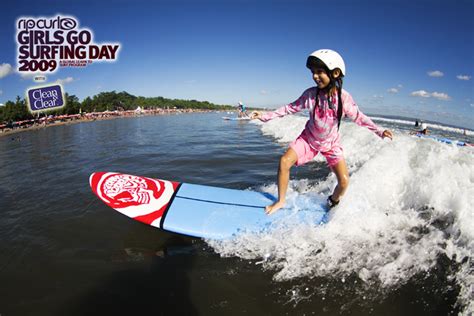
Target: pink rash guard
{"x": 321, "y": 132}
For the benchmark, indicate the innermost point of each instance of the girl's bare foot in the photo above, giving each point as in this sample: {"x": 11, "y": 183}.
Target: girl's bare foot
{"x": 274, "y": 207}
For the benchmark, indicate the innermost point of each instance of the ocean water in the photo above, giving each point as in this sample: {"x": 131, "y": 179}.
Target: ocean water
{"x": 400, "y": 242}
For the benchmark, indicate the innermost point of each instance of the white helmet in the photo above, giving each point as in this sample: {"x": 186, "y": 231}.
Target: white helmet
{"x": 240, "y": 103}
{"x": 331, "y": 59}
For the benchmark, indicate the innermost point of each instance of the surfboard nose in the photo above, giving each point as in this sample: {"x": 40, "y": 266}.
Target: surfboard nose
{"x": 94, "y": 180}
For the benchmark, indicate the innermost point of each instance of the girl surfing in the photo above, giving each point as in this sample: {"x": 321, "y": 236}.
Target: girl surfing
{"x": 327, "y": 103}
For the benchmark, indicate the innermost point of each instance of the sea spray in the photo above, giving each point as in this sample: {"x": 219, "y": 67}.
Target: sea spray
{"x": 409, "y": 205}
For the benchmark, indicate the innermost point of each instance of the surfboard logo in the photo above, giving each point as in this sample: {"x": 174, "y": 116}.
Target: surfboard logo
{"x": 124, "y": 190}
{"x": 141, "y": 198}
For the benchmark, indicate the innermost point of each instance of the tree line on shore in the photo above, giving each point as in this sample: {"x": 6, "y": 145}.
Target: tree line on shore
{"x": 104, "y": 101}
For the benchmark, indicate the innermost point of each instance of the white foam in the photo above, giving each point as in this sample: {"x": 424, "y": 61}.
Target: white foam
{"x": 387, "y": 228}
{"x": 429, "y": 125}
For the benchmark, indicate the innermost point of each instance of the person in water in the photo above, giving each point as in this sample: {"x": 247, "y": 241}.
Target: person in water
{"x": 422, "y": 131}
{"x": 242, "y": 110}
{"x": 327, "y": 103}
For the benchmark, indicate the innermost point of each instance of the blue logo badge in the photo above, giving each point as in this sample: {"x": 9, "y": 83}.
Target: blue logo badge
{"x": 45, "y": 98}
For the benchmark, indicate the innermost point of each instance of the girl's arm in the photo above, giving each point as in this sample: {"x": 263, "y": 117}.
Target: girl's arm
{"x": 351, "y": 110}
{"x": 294, "y": 107}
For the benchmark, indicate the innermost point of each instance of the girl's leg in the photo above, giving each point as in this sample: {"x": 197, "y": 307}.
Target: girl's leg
{"x": 286, "y": 162}
{"x": 342, "y": 175}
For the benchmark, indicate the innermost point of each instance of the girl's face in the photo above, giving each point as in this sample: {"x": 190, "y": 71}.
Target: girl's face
{"x": 321, "y": 77}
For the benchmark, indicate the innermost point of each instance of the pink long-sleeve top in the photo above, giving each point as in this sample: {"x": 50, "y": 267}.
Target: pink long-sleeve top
{"x": 321, "y": 130}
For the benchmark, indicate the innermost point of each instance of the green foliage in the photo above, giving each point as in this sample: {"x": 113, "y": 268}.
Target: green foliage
{"x": 15, "y": 111}
{"x": 105, "y": 101}
{"x": 72, "y": 106}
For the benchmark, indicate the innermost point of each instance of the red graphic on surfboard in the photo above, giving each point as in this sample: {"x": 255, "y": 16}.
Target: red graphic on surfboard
{"x": 143, "y": 199}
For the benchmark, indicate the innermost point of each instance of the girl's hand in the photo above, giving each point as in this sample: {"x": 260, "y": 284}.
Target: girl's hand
{"x": 255, "y": 115}
{"x": 387, "y": 133}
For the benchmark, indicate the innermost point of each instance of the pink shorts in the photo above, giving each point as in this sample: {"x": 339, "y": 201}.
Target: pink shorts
{"x": 307, "y": 153}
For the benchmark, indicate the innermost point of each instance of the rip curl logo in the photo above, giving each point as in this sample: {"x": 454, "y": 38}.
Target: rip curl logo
{"x": 45, "y": 98}
{"x": 46, "y": 43}
{"x": 141, "y": 198}
{"x": 62, "y": 23}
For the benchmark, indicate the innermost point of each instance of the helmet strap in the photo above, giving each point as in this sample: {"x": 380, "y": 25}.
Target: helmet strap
{"x": 339, "y": 101}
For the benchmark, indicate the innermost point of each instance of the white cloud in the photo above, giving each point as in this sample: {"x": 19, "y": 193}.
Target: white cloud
{"x": 263, "y": 92}
{"x": 420, "y": 93}
{"x": 441, "y": 96}
{"x": 395, "y": 89}
{"x": 65, "y": 80}
{"x": 5, "y": 70}
{"x": 435, "y": 73}
{"x": 463, "y": 77}
{"x": 425, "y": 94}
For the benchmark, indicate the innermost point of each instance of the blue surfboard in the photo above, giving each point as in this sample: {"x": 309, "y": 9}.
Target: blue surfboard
{"x": 196, "y": 210}
{"x": 236, "y": 118}
{"x": 444, "y": 140}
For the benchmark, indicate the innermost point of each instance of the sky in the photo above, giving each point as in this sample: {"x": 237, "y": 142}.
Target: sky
{"x": 410, "y": 58}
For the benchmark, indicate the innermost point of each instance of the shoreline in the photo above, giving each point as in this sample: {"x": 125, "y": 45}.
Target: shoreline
{"x": 91, "y": 117}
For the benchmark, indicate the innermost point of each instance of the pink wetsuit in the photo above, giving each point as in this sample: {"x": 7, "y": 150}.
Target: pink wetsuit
{"x": 321, "y": 132}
